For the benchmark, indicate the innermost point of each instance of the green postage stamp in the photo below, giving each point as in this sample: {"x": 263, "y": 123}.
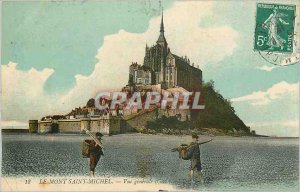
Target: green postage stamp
{"x": 274, "y": 27}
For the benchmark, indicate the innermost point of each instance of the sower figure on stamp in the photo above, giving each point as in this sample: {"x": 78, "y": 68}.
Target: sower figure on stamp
{"x": 272, "y": 25}
{"x": 193, "y": 152}
{"x": 95, "y": 151}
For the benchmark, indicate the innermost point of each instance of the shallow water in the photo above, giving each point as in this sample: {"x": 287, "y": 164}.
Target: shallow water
{"x": 229, "y": 163}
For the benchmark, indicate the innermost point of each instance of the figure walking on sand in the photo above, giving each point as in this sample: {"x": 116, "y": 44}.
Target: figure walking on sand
{"x": 271, "y": 24}
{"x": 192, "y": 152}
{"x": 95, "y": 152}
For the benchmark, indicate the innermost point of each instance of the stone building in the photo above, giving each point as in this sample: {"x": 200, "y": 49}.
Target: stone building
{"x": 163, "y": 67}
{"x": 139, "y": 74}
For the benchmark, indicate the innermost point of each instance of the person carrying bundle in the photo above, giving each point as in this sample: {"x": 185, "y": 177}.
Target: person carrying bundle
{"x": 93, "y": 151}
{"x": 192, "y": 152}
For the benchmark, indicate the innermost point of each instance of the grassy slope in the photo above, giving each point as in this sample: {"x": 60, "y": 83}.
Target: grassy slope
{"x": 218, "y": 113}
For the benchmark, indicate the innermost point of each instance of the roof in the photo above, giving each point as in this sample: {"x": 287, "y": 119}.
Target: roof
{"x": 182, "y": 62}
{"x": 173, "y": 91}
{"x": 161, "y": 38}
{"x": 177, "y": 89}
{"x": 179, "y": 60}
{"x": 134, "y": 64}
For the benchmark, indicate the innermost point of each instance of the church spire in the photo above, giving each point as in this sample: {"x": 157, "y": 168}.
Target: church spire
{"x": 161, "y": 38}
{"x": 162, "y": 30}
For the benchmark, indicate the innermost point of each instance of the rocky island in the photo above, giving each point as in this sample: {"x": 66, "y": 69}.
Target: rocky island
{"x": 163, "y": 72}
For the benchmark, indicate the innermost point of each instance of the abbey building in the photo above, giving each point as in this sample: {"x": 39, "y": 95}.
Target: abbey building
{"x": 162, "y": 67}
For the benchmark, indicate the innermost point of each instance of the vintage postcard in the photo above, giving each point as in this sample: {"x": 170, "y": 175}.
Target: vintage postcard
{"x": 140, "y": 95}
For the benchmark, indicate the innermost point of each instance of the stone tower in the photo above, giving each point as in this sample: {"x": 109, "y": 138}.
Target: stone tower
{"x": 155, "y": 57}
{"x": 162, "y": 42}
{"x": 163, "y": 67}
{"x": 161, "y": 39}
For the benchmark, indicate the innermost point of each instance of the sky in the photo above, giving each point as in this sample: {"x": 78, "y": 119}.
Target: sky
{"x": 57, "y": 55}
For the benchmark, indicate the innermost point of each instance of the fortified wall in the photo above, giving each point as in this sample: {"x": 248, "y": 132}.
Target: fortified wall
{"x": 105, "y": 125}
{"x": 108, "y": 125}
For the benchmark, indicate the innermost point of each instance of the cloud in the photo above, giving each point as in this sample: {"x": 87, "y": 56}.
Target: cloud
{"x": 278, "y": 91}
{"x": 23, "y": 95}
{"x": 266, "y": 68}
{"x": 286, "y": 128}
{"x": 273, "y": 112}
{"x": 23, "y": 83}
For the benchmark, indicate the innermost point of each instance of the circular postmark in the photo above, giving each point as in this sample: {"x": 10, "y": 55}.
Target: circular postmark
{"x": 281, "y": 58}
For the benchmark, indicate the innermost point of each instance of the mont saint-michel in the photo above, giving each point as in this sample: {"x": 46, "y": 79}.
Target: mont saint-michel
{"x": 161, "y": 71}
{"x": 144, "y": 95}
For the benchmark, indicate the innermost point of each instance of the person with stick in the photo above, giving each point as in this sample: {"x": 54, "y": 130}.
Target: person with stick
{"x": 193, "y": 152}
{"x": 95, "y": 151}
